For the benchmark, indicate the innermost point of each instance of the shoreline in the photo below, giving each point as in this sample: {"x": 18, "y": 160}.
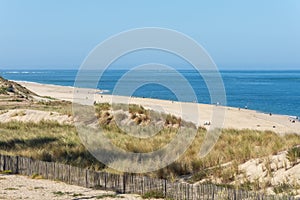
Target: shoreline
{"x": 104, "y": 92}
{"x": 234, "y": 117}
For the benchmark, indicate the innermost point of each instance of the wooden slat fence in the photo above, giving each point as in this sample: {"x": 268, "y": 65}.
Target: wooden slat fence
{"x": 125, "y": 183}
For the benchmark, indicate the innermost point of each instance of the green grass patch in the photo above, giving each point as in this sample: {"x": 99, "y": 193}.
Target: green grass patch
{"x": 294, "y": 154}
{"x": 106, "y": 196}
{"x": 3, "y": 90}
{"x": 36, "y": 176}
{"x": 77, "y": 195}
{"x": 6, "y": 172}
{"x": 38, "y": 188}
{"x": 11, "y": 189}
{"x": 153, "y": 194}
{"x": 60, "y": 193}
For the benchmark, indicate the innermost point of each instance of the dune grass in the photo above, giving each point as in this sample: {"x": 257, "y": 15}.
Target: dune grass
{"x": 3, "y": 90}
{"x": 62, "y": 107}
{"x": 237, "y": 147}
{"x": 47, "y": 141}
{"x": 294, "y": 154}
{"x": 51, "y": 141}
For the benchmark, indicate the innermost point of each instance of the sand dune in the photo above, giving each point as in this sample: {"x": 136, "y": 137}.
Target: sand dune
{"x": 26, "y": 115}
{"x": 234, "y": 117}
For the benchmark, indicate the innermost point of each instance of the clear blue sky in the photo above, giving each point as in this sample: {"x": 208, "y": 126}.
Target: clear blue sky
{"x": 250, "y": 34}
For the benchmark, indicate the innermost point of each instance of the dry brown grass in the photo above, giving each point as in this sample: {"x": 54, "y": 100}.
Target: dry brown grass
{"x": 48, "y": 141}
{"x": 18, "y": 114}
{"x": 55, "y": 142}
{"x": 15, "y": 96}
{"x": 235, "y": 146}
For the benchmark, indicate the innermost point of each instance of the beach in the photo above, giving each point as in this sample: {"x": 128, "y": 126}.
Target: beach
{"x": 150, "y": 100}
{"x": 274, "y": 165}
{"x": 236, "y": 118}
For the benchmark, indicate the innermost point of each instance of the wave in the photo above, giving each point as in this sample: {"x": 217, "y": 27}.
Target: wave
{"x": 23, "y": 72}
{"x": 105, "y": 91}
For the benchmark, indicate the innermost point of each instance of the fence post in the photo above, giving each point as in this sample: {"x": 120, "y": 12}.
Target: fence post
{"x": 165, "y": 188}
{"x": 46, "y": 169}
{"x": 124, "y": 183}
{"x": 188, "y": 191}
{"x": 105, "y": 180}
{"x": 86, "y": 178}
{"x": 17, "y": 163}
{"x": 69, "y": 173}
{"x": 213, "y": 192}
{"x": 234, "y": 194}
{"x": 4, "y": 163}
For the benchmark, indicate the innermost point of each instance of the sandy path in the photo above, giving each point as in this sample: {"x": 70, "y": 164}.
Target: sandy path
{"x": 22, "y": 187}
{"x": 234, "y": 117}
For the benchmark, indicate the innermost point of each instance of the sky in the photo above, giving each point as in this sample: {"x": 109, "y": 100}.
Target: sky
{"x": 59, "y": 34}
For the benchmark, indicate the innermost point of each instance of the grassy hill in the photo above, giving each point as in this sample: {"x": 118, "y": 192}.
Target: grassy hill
{"x": 13, "y": 89}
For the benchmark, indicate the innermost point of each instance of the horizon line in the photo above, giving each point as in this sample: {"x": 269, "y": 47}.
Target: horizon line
{"x": 74, "y": 69}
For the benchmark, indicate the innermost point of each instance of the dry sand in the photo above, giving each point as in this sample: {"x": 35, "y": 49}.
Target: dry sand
{"x": 234, "y": 117}
{"x": 27, "y": 115}
{"x": 273, "y": 169}
{"x": 22, "y": 187}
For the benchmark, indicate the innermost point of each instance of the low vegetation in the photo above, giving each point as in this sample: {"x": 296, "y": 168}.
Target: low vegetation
{"x": 47, "y": 141}
{"x": 3, "y": 90}
{"x": 294, "y": 154}
{"x": 11, "y": 189}
{"x": 62, "y": 107}
{"x": 11, "y": 88}
{"x": 51, "y": 141}
{"x": 153, "y": 194}
{"x": 18, "y": 114}
{"x": 283, "y": 187}
{"x": 104, "y": 196}
{"x": 15, "y": 96}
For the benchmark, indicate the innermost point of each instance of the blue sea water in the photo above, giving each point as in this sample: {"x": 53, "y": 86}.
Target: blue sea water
{"x": 265, "y": 91}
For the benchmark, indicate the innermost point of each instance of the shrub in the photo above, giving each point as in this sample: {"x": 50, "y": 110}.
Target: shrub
{"x": 283, "y": 188}
{"x": 294, "y": 154}
{"x": 3, "y": 90}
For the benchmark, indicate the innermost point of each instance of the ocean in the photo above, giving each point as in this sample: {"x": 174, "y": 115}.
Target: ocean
{"x": 265, "y": 91}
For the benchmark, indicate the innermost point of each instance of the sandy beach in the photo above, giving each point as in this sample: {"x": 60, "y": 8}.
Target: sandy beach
{"x": 234, "y": 117}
